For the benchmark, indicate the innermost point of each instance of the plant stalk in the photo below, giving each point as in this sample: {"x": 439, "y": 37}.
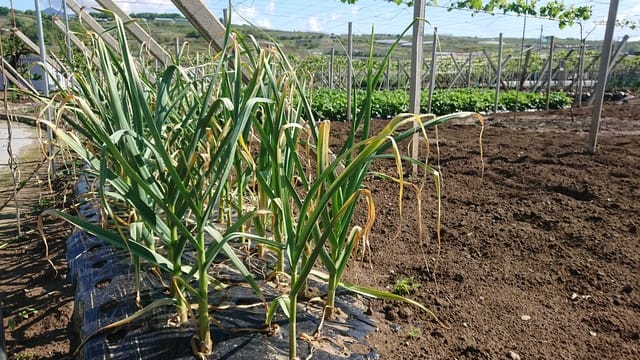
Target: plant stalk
{"x": 331, "y": 296}
{"x": 293, "y": 305}
{"x": 206, "y": 344}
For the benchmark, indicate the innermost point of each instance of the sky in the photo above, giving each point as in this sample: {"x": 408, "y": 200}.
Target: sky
{"x": 332, "y": 16}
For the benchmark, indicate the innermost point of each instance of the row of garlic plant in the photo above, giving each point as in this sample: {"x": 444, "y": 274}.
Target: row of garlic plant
{"x": 173, "y": 152}
{"x": 164, "y": 154}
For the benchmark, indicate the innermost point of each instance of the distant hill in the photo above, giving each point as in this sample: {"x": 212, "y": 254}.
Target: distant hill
{"x": 57, "y": 11}
{"x": 52, "y": 11}
{"x": 299, "y": 44}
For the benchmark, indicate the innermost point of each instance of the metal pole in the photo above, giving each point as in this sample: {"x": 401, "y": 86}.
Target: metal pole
{"x": 469, "y": 72}
{"x": 399, "y": 75}
{"x": 604, "y": 67}
{"x": 349, "y": 69}
{"x": 433, "y": 70}
{"x": 581, "y": 72}
{"x": 333, "y": 54}
{"x": 525, "y": 73}
{"x": 550, "y": 72}
{"x": 45, "y": 77}
{"x": 198, "y": 68}
{"x": 498, "y": 76}
{"x": 388, "y": 74}
{"x": 225, "y": 16}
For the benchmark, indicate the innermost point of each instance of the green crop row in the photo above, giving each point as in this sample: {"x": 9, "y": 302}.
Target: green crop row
{"x": 191, "y": 170}
{"x": 332, "y": 103}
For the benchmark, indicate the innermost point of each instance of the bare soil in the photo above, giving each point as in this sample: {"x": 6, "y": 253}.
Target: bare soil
{"x": 538, "y": 259}
{"x": 35, "y": 300}
{"x": 539, "y": 254}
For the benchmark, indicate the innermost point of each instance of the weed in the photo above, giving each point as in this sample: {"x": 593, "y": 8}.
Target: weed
{"x": 405, "y": 286}
{"x": 41, "y": 205}
{"x": 414, "y": 332}
{"x": 26, "y": 313}
{"x": 22, "y": 315}
{"x": 24, "y": 356}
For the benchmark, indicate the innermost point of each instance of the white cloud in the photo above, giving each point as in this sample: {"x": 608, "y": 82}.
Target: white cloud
{"x": 271, "y": 7}
{"x": 127, "y": 7}
{"x": 249, "y": 14}
{"x": 244, "y": 14}
{"x": 264, "y": 23}
{"x": 314, "y": 24}
{"x": 355, "y": 10}
{"x": 334, "y": 16}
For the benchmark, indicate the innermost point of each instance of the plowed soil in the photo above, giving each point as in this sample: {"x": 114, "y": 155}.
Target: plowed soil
{"x": 538, "y": 256}
{"x": 538, "y": 259}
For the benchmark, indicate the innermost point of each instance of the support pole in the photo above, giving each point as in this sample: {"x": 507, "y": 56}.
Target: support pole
{"x": 67, "y": 34}
{"x": 203, "y": 20}
{"x": 459, "y": 74}
{"x": 53, "y": 60}
{"x": 13, "y": 76}
{"x": 604, "y": 67}
{"x": 612, "y": 63}
{"x": 494, "y": 68}
{"x": 498, "y": 76}
{"x": 525, "y": 74}
{"x": 349, "y": 69}
{"x": 138, "y": 32}
{"x": 415, "y": 86}
{"x": 399, "y": 75}
{"x": 580, "y": 73}
{"x": 331, "y": 59}
{"x": 387, "y": 74}
{"x": 45, "y": 77}
{"x": 550, "y": 72}
{"x": 87, "y": 20}
{"x": 469, "y": 71}
{"x": 434, "y": 66}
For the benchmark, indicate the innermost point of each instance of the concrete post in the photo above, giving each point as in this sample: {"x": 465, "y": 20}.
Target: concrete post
{"x": 138, "y": 32}
{"x": 581, "y": 73}
{"x": 434, "y": 66}
{"x": 604, "y": 67}
{"x": 93, "y": 25}
{"x": 416, "y": 71}
{"x": 67, "y": 34}
{"x": 550, "y": 72}
{"x": 52, "y": 60}
{"x": 498, "y": 76}
{"x": 203, "y": 20}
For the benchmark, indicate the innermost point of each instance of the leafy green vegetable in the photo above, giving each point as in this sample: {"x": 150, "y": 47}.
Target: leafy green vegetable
{"x": 331, "y": 104}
